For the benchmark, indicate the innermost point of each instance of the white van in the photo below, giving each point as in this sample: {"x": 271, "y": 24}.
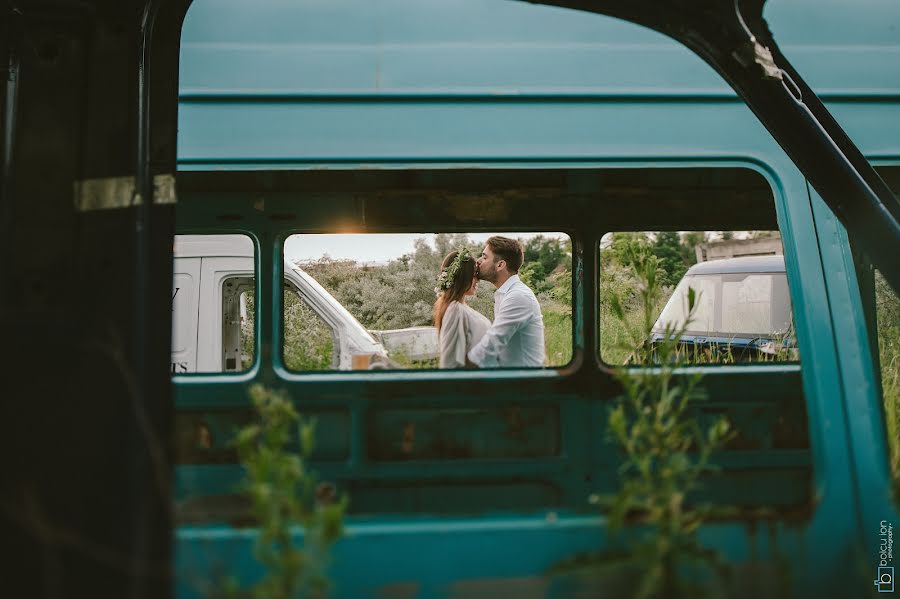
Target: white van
{"x": 212, "y": 280}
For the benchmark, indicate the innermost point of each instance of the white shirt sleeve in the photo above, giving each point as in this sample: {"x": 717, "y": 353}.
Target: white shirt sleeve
{"x": 453, "y": 338}
{"x": 514, "y": 311}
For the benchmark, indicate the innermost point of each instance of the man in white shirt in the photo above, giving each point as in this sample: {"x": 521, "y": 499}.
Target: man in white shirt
{"x": 516, "y": 337}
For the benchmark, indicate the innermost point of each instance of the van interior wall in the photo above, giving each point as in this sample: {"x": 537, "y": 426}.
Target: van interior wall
{"x": 767, "y": 406}
{"x": 477, "y": 199}
{"x": 86, "y": 400}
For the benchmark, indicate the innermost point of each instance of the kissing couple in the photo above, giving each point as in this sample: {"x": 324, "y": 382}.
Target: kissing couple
{"x": 466, "y": 337}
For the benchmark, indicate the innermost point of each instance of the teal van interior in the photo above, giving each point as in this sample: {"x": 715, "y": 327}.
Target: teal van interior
{"x": 477, "y": 115}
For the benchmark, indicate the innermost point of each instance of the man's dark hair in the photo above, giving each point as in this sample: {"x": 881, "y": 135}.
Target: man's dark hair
{"x": 507, "y": 249}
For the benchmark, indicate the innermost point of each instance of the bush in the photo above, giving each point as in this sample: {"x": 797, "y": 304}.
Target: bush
{"x": 887, "y": 307}
{"x": 308, "y": 342}
{"x": 284, "y": 495}
{"x": 665, "y": 451}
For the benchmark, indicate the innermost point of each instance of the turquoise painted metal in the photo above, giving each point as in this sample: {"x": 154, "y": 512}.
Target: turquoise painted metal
{"x": 318, "y": 108}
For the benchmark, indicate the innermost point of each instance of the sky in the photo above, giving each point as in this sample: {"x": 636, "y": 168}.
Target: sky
{"x": 379, "y": 248}
{"x": 371, "y": 247}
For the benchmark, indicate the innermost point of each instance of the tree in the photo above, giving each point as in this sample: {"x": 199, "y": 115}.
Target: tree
{"x": 667, "y": 247}
{"x": 445, "y": 243}
{"x": 549, "y": 252}
{"x": 533, "y": 275}
{"x": 623, "y": 247}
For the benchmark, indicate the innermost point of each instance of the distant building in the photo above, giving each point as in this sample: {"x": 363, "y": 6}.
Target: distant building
{"x": 734, "y": 248}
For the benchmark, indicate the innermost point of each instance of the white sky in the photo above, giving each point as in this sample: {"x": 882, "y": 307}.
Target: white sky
{"x": 372, "y": 247}
{"x": 382, "y": 247}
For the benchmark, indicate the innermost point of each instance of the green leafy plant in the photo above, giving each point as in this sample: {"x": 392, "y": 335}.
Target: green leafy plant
{"x": 887, "y": 305}
{"x": 284, "y": 496}
{"x": 308, "y": 340}
{"x": 666, "y": 450}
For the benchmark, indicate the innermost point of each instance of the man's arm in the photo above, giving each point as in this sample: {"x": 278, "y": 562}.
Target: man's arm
{"x": 514, "y": 311}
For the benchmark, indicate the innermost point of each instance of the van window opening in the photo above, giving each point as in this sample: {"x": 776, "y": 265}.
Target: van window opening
{"x": 742, "y": 306}
{"x": 382, "y": 295}
{"x": 237, "y": 324}
{"x": 214, "y": 304}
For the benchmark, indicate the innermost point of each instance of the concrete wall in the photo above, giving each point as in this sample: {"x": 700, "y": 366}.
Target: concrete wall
{"x": 733, "y": 248}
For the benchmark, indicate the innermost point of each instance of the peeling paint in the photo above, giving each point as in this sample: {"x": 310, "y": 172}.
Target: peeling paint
{"x": 109, "y": 193}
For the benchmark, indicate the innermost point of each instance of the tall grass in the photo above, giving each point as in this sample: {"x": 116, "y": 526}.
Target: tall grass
{"x": 887, "y": 307}
{"x": 620, "y": 284}
{"x": 308, "y": 343}
{"x": 557, "y": 341}
{"x": 557, "y": 336}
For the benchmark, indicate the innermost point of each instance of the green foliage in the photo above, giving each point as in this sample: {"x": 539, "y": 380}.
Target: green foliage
{"x": 248, "y": 338}
{"x": 667, "y": 247}
{"x": 561, "y": 288}
{"x": 887, "y": 306}
{"x": 666, "y": 451}
{"x": 557, "y": 337}
{"x": 308, "y": 342}
{"x": 624, "y": 309}
{"x": 284, "y": 496}
{"x": 404, "y": 361}
{"x": 545, "y": 254}
{"x": 533, "y": 275}
{"x": 623, "y": 245}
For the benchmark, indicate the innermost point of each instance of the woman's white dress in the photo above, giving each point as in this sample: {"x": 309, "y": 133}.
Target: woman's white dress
{"x": 461, "y": 328}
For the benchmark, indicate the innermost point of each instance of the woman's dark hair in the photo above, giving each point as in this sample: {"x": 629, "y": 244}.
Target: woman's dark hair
{"x": 457, "y": 291}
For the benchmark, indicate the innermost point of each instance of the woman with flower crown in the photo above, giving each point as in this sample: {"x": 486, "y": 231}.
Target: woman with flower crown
{"x": 459, "y": 326}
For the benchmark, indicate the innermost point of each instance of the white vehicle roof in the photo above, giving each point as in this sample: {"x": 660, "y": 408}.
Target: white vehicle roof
{"x": 203, "y": 246}
{"x": 743, "y": 264}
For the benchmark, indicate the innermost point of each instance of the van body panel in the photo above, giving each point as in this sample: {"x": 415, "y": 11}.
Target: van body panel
{"x": 215, "y": 271}
{"x": 203, "y": 264}
{"x": 185, "y": 300}
{"x": 460, "y": 499}
{"x": 91, "y": 88}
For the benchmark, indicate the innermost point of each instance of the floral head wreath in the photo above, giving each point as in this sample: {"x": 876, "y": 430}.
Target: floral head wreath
{"x": 448, "y": 275}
